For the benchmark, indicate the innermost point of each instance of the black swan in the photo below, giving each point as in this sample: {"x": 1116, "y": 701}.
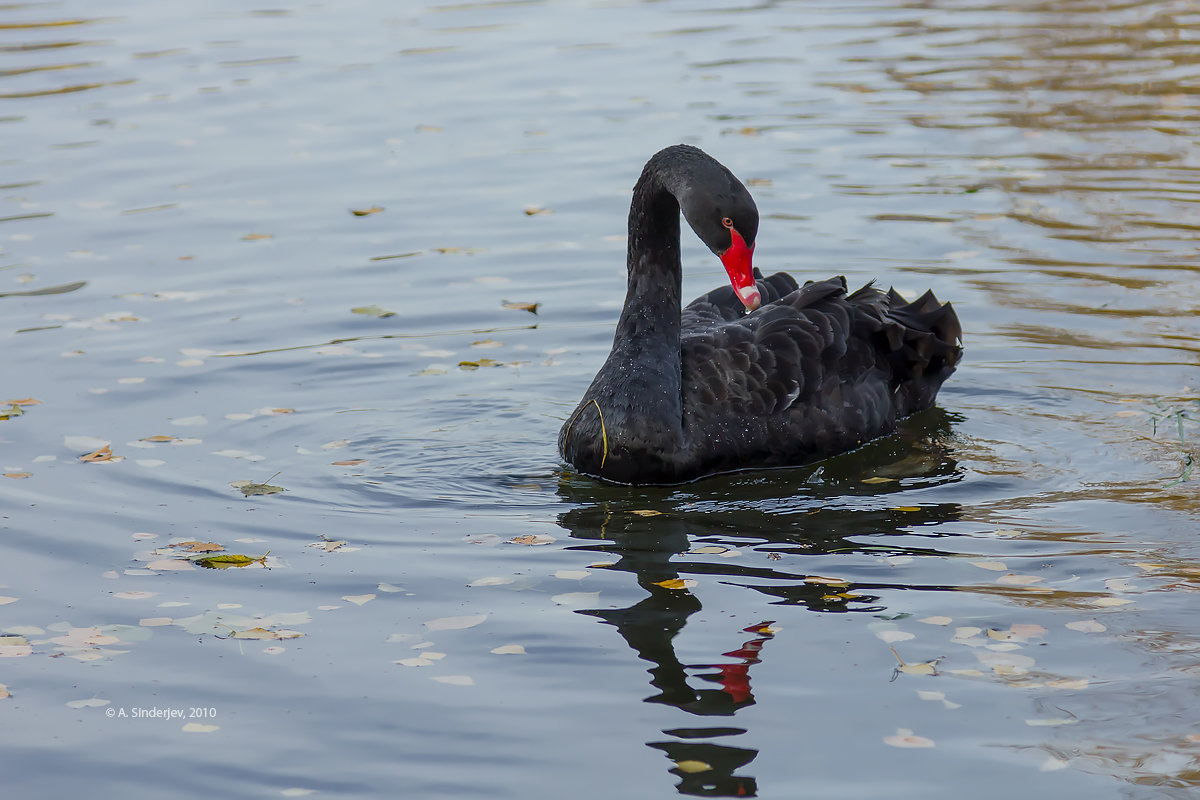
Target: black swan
{"x": 762, "y": 373}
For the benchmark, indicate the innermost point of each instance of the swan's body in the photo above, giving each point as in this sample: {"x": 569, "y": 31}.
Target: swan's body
{"x": 761, "y": 373}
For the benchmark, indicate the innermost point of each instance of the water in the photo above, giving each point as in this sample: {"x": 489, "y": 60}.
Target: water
{"x": 1027, "y": 551}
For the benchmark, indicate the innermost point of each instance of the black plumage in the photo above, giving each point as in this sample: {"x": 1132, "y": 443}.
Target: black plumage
{"x": 760, "y": 373}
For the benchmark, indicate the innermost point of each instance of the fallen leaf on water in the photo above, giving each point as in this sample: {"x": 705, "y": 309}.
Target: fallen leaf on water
{"x": 1087, "y": 626}
{"x": 531, "y": 539}
{"x": 168, "y": 564}
{"x": 676, "y": 583}
{"x": 251, "y": 489}
{"x": 91, "y": 702}
{"x": 907, "y": 508}
{"x": 487, "y": 343}
{"x": 509, "y": 650}
{"x": 9, "y": 413}
{"x": 456, "y": 680}
{"x": 1027, "y": 630}
{"x": 906, "y": 738}
{"x": 692, "y": 766}
{"x": 483, "y": 362}
{"x": 364, "y": 212}
{"x": 533, "y": 210}
{"x": 373, "y": 311}
{"x": 226, "y": 561}
{"x": 492, "y": 581}
{"x": 254, "y": 237}
{"x": 98, "y": 456}
{"x": 18, "y": 475}
{"x": 1068, "y": 683}
{"x": 1051, "y": 721}
{"x": 1012, "y": 579}
{"x": 194, "y": 546}
{"x": 646, "y": 512}
{"x": 994, "y": 566}
{"x": 134, "y": 595}
{"x": 936, "y": 620}
{"x": 1110, "y": 602}
{"x": 571, "y": 574}
{"x": 576, "y": 599}
{"x": 826, "y": 581}
{"x": 530, "y": 307}
{"x": 879, "y": 479}
{"x": 894, "y": 636}
{"x": 199, "y": 727}
{"x": 915, "y": 668}
{"x": 263, "y": 633}
{"x": 354, "y": 462}
{"x": 388, "y": 587}
{"x": 27, "y": 401}
{"x": 708, "y": 549}
{"x": 455, "y": 623}
{"x": 329, "y": 545}
{"x": 358, "y": 599}
{"x": 154, "y": 622}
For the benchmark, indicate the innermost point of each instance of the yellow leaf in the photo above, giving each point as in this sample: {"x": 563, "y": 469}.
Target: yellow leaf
{"x": 365, "y": 211}
{"x": 27, "y": 401}
{"x": 646, "y": 512}
{"x": 159, "y": 438}
{"x": 907, "y": 508}
{"x": 18, "y": 474}
{"x": 534, "y": 210}
{"x": 691, "y": 766}
{"x": 253, "y": 237}
{"x": 879, "y": 480}
{"x": 676, "y": 583}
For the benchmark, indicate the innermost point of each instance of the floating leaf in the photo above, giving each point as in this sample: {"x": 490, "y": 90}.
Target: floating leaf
{"x": 676, "y": 583}
{"x": 531, "y": 539}
{"x": 691, "y": 766}
{"x": 263, "y": 633}
{"x": 254, "y": 237}
{"x": 936, "y": 620}
{"x": 879, "y": 479}
{"x": 455, "y": 623}
{"x": 373, "y": 311}
{"x": 483, "y": 362}
{"x": 1110, "y": 602}
{"x": 509, "y": 650}
{"x": 1087, "y": 626}
{"x": 354, "y": 462}
{"x": 916, "y": 668}
{"x": 194, "y": 546}
{"x": 532, "y": 308}
{"x": 456, "y": 680}
{"x": 91, "y": 702}
{"x": 1012, "y": 579}
{"x": 329, "y": 545}
{"x": 890, "y": 636}
{"x": 906, "y": 738}
{"x": 1068, "y": 683}
{"x": 571, "y": 574}
{"x": 646, "y": 512}
{"x": 9, "y": 413}
{"x": 99, "y": 456}
{"x": 365, "y": 212}
{"x": 358, "y": 599}
{"x": 251, "y": 489}
{"x": 26, "y": 401}
{"x": 907, "y": 508}
{"x": 493, "y": 581}
{"x": 227, "y": 560}
{"x": 199, "y": 727}
{"x": 18, "y": 475}
{"x": 994, "y": 566}
{"x": 535, "y": 210}
{"x": 826, "y": 581}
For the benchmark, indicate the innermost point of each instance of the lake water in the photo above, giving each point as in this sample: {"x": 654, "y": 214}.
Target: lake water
{"x": 998, "y": 601}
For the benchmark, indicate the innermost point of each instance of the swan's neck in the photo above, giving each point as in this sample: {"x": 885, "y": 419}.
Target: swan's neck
{"x": 645, "y": 359}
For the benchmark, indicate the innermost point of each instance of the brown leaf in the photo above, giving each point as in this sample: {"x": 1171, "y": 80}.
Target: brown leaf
{"x": 254, "y": 237}
{"x": 158, "y": 438}
{"x": 365, "y": 211}
{"x": 103, "y": 454}
{"x": 18, "y": 474}
{"x": 530, "y": 307}
{"x": 28, "y": 401}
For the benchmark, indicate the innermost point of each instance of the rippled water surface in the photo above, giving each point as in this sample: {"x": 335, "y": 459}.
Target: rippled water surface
{"x": 998, "y": 601}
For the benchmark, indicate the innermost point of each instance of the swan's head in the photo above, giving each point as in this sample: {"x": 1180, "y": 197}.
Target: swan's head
{"x": 722, "y": 213}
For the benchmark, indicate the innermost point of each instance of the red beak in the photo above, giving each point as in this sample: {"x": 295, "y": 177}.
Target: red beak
{"x": 738, "y": 263}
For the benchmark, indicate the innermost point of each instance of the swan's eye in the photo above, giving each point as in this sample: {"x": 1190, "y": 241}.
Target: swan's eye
{"x": 727, "y": 222}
